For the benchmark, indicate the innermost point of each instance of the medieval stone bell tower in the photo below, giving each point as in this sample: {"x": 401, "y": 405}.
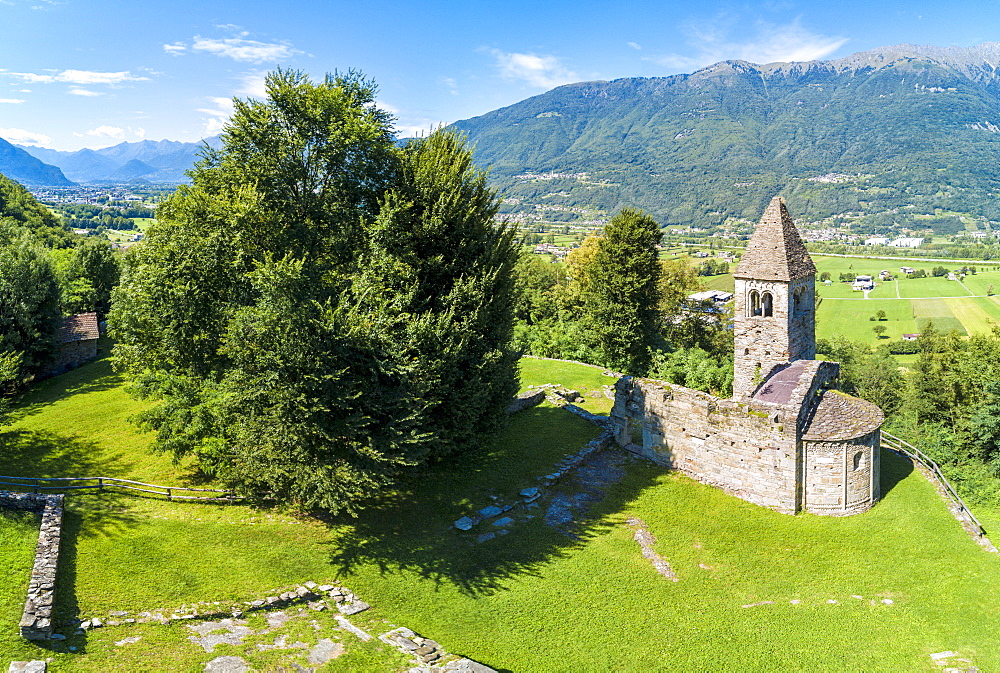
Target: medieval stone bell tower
{"x": 775, "y": 318}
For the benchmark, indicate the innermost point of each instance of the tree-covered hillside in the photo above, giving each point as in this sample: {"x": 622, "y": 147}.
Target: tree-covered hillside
{"x": 908, "y": 128}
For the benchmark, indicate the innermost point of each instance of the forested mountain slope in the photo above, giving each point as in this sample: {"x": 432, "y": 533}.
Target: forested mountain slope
{"x": 23, "y": 167}
{"x": 896, "y": 127}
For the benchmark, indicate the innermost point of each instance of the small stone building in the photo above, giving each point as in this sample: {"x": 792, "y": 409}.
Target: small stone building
{"x": 787, "y": 439}
{"x": 77, "y": 339}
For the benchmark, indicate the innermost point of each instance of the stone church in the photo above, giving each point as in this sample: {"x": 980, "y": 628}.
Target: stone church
{"x": 787, "y": 439}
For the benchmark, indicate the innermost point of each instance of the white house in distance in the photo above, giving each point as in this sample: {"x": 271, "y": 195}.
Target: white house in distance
{"x": 907, "y": 242}
{"x": 877, "y": 241}
{"x": 863, "y": 283}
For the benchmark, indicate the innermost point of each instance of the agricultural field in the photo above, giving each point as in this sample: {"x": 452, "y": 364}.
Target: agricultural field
{"x": 964, "y": 306}
{"x": 757, "y": 590}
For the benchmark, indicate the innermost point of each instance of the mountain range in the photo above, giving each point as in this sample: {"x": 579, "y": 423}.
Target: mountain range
{"x": 899, "y": 131}
{"x": 897, "y": 134}
{"x": 163, "y": 161}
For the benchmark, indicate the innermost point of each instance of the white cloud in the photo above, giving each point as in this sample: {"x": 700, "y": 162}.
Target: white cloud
{"x": 77, "y": 91}
{"x": 107, "y": 132}
{"x": 79, "y": 77}
{"x": 766, "y": 43}
{"x": 139, "y": 132}
{"x": 214, "y": 126}
{"x": 218, "y": 114}
{"x": 241, "y": 49}
{"x": 451, "y": 84}
{"x": 25, "y": 137}
{"x": 175, "y": 49}
{"x": 253, "y": 84}
{"x": 635, "y": 45}
{"x": 11, "y": 101}
{"x": 544, "y": 72}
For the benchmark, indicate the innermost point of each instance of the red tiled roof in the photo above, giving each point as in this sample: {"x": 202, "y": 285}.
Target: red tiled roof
{"x": 79, "y": 327}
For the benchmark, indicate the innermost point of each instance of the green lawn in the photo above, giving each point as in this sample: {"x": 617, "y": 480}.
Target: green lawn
{"x": 78, "y": 425}
{"x": 589, "y": 380}
{"x": 18, "y": 536}
{"x": 535, "y": 599}
{"x": 853, "y": 318}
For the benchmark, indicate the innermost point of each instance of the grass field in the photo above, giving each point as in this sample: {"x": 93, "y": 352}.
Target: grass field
{"x": 909, "y": 303}
{"x": 18, "y": 535}
{"x": 533, "y": 600}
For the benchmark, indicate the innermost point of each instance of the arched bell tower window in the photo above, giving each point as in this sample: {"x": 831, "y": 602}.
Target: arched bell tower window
{"x": 797, "y": 300}
{"x": 767, "y": 304}
{"x": 753, "y": 305}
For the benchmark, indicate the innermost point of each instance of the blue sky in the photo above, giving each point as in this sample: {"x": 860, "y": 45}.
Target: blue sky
{"x": 90, "y": 73}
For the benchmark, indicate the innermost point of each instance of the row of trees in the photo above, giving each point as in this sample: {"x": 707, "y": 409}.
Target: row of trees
{"x": 948, "y": 404}
{"x": 321, "y": 311}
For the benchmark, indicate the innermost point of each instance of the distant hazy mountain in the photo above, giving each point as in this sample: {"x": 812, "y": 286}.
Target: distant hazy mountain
{"x": 902, "y": 129}
{"x": 21, "y": 166}
{"x": 163, "y": 161}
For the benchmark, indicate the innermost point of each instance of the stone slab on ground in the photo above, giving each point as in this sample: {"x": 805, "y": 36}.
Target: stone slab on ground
{"x": 227, "y": 665}
{"x": 353, "y": 608}
{"x": 324, "y": 651}
{"x": 237, "y": 631}
{"x": 348, "y": 626}
{"x": 35, "y": 666}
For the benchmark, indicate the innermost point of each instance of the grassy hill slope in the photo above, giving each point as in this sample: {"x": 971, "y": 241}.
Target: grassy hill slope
{"x": 877, "y": 591}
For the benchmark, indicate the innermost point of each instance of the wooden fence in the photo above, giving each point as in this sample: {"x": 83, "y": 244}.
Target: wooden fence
{"x": 69, "y": 484}
{"x": 898, "y": 445}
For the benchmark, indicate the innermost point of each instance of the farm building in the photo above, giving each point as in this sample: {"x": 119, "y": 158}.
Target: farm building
{"x": 77, "y": 339}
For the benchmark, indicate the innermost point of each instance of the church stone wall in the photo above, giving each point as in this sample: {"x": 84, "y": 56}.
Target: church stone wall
{"x": 841, "y": 477}
{"x": 747, "y": 452}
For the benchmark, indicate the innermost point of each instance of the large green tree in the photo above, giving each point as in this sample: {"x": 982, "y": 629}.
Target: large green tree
{"x": 320, "y": 310}
{"x": 621, "y": 297}
{"x": 438, "y": 253}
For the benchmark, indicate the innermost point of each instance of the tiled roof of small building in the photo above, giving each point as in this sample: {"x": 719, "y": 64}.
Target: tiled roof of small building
{"x": 775, "y": 251}
{"x": 840, "y": 416}
{"x": 79, "y": 327}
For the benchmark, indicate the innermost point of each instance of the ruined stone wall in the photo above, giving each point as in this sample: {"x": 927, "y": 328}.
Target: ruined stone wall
{"x": 747, "y": 452}
{"x": 841, "y": 477}
{"x": 789, "y": 333}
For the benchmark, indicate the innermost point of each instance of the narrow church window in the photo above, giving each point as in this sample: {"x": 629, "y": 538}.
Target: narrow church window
{"x": 754, "y": 303}
{"x": 746, "y": 351}
{"x": 768, "y": 303}
{"x": 859, "y": 461}
{"x": 797, "y": 300}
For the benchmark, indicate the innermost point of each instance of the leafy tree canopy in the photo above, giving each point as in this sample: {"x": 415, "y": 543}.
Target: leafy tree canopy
{"x": 321, "y": 310}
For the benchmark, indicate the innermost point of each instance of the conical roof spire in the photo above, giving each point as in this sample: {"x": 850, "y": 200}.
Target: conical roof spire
{"x": 775, "y": 251}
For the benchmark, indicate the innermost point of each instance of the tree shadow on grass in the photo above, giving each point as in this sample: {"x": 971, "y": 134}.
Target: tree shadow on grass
{"x": 32, "y": 453}
{"x": 412, "y": 531}
{"x": 92, "y": 377}
{"x": 894, "y": 469}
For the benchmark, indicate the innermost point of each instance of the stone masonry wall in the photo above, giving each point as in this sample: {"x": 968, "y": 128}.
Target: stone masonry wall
{"x": 73, "y": 354}
{"x": 789, "y": 334}
{"x": 36, "y": 621}
{"x": 746, "y": 452}
{"x": 841, "y": 477}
